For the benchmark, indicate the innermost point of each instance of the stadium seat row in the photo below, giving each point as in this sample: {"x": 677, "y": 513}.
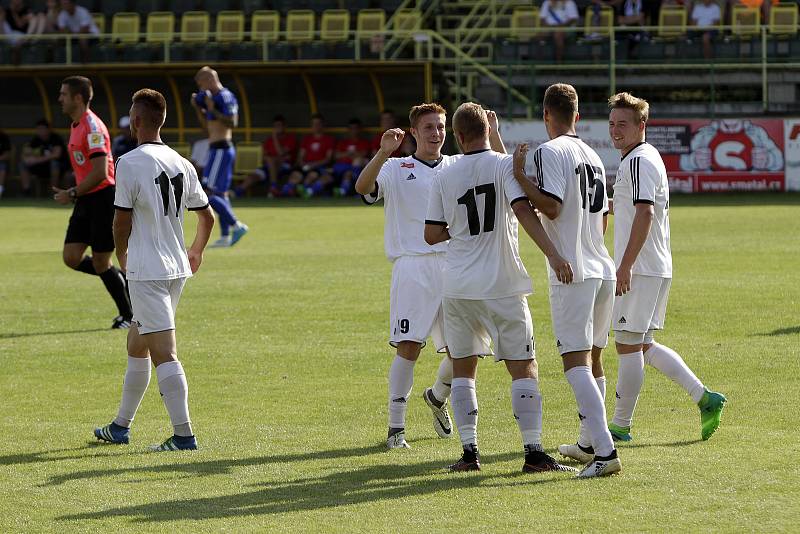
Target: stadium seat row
{"x": 672, "y": 21}
{"x": 109, "y": 7}
{"x": 300, "y": 25}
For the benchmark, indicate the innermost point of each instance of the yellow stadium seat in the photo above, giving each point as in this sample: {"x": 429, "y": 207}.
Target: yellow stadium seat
{"x": 99, "y": 21}
{"x": 602, "y": 26}
{"x": 184, "y": 149}
{"x": 195, "y": 26}
{"x": 125, "y": 28}
{"x": 160, "y": 27}
{"x": 370, "y": 22}
{"x": 524, "y": 23}
{"x": 745, "y": 21}
{"x": 783, "y": 19}
{"x": 249, "y": 157}
{"x": 335, "y": 25}
{"x": 265, "y": 24}
{"x": 230, "y": 27}
{"x": 672, "y": 21}
{"x": 406, "y": 22}
{"x": 300, "y": 26}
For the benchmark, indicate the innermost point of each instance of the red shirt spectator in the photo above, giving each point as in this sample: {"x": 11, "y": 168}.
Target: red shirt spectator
{"x": 287, "y": 141}
{"x": 352, "y": 147}
{"x": 317, "y": 147}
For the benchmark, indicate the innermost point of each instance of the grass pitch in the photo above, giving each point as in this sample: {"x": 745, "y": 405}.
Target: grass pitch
{"x": 284, "y": 343}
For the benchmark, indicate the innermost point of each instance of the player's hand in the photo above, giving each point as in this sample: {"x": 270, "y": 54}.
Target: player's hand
{"x": 195, "y": 259}
{"x": 193, "y": 100}
{"x": 209, "y": 102}
{"x": 702, "y": 158}
{"x": 760, "y": 158}
{"x": 61, "y": 196}
{"x": 494, "y": 123}
{"x": 623, "y": 280}
{"x": 562, "y": 268}
{"x": 391, "y": 140}
{"x": 519, "y": 157}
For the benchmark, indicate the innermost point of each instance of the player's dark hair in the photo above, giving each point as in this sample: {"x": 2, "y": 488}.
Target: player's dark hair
{"x": 470, "y": 120}
{"x": 79, "y": 85}
{"x": 279, "y": 118}
{"x": 561, "y": 100}
{"x": 639, "y": 106}
{"x": 43, "y": 122}
{"x": 152, "y": 105}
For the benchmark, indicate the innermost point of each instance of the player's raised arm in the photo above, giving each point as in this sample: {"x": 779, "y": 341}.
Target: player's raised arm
{"x": 546, "y": 202}
{"x": 201, "y": 116}
{"x": 391, "y": 141}
{"x": 495, "y": 141}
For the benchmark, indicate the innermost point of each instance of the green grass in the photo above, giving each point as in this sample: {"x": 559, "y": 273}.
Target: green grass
{"x": 284, "y": 343}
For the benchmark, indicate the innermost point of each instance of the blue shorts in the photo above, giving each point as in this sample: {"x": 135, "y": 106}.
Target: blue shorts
{"x": 340, "y": 168}
{"x": 218, "y": 172}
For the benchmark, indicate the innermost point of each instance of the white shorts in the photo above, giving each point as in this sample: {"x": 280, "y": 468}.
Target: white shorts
{"x": 644, "y": 307}
{"x": 415, "y": 300}
{"x": 154, "y": 303}
{"x": 581, "y": 314}
{"x": 473, "y": 326}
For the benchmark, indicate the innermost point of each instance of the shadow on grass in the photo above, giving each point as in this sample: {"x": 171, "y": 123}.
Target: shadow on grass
{"x": 782, "y": 332}
{"x": 341, "y": 488}
{"x": 59, "y": 333}
{"x": 51, "y": 455}
{"x": 683, "y": 443}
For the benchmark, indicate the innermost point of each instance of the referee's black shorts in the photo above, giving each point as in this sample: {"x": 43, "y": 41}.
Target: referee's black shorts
{"x": 92, "y": 219}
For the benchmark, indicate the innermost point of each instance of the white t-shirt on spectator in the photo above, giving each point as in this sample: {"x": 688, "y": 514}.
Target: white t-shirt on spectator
{"x": 555, "y": 13}
{"x": 200, "y": 152}
{"x": 80, "y": 19}
{"x": 706, "y": 15}
{"x": 632, "y": 7}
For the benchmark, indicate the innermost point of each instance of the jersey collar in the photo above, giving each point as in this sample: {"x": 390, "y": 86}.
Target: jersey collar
{"x": 471, "y": 152}
{"x": 631, "y": 150}
{"x": 431, "y": 165}
{"x": 151, "y": 143}
{"x": 574, "y": 136}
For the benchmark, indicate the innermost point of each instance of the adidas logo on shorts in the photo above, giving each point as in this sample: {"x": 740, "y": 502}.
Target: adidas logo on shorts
{"x": 622, "y": 320}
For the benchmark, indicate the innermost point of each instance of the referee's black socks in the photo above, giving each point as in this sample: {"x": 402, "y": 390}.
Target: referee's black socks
{"x": 114, "y": 281}
{"x": 86, "y": 266}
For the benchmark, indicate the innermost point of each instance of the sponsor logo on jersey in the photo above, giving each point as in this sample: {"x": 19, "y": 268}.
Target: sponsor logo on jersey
{"x": 411, "y": 177}
{"x": 406, "y": 165}
{"x": 96, "y": 140}
{"x": 78, "y": 156}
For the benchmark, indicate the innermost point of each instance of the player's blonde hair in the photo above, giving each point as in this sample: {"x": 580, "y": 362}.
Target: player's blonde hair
{"x": 561, "y": 100}
{"x": 423, "y": 109}
{"x": 470, "y": 120}
{"x": 639, "y": 106}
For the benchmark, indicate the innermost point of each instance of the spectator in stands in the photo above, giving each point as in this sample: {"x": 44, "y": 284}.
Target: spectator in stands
{"x": 559, "y": 14}
{"x": 18, "y": 22}
{"x": 764, "y": 5}
{"x": 706, "y": 14}
{"x": 312, "y": 174}
{"x": 5, "y": 159}
{"x": 44, "y": 157}
{"x": 632, "y": 14}
{"x": 280, "y": 154}
{"x": 388, "y": 121}
{"x": 351, "y": 156}
{"x": 51, "y": 16}
{"x": 199, "y": 155}
{"x": 124, "y": 142}
{"x": 76, "y": 19}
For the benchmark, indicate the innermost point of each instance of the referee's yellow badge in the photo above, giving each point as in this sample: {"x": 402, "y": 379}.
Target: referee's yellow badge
{"x": 96, "y": 140}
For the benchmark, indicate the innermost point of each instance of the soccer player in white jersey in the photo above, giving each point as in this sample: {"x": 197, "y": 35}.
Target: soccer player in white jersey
{"x": 416, "y": 291}
{"x": 644, "y": 270}
{"x": 569, "y": 189}
{"x": 475, "y": 204}
{"x": 154, "y": 185}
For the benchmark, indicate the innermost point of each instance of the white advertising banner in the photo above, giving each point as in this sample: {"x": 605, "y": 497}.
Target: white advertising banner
{"x": 593, "y": 132}
{"x": 791, "y": 152}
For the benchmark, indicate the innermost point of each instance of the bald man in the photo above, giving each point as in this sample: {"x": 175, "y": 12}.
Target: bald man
{"x": 218, "y": 112}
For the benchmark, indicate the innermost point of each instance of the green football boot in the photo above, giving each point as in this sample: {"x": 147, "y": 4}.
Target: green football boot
{"x": 620, "y": 433}
{"x": 711, "y": 406}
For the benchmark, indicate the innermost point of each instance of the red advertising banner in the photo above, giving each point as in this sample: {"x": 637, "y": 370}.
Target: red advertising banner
{"x": 720, "y": 155}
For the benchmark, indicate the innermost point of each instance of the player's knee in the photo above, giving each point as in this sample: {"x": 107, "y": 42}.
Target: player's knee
{"x": 409, "y": 350}
{"x": 71, "y": 259}
{"x": 101, "y": 263}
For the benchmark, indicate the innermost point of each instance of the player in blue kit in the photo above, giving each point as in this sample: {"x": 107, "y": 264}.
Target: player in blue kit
{"x": 218, "y": 112}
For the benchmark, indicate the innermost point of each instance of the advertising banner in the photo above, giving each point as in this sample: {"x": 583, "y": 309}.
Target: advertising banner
{"x": 701, "y": 155}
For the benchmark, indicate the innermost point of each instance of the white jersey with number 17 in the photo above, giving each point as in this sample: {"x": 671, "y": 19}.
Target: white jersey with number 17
{"x": 156, "y": 184}
{"x": 572, "y": 173}
{"x": 473, "y": 197}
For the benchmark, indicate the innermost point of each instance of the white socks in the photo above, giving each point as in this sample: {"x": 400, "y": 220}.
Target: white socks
{"x": 671, "y": 364}
{"x": 465, "y": 409}
{"x": 444, "y": 380}
{"x": 175, "y": 394}
{"x": 526, "y": 401}
{"x": 137, "y": 377}
{"x": 401, "y": 378}
{"x": 585, "y": 437}
{"x": 590, "y": 404}
{"x": 629, "y": 384}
